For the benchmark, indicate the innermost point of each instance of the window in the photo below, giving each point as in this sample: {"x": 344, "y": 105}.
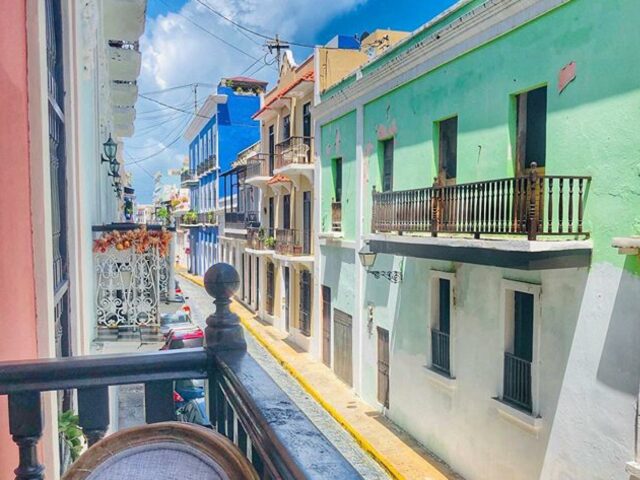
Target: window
{"x": 387, "y": 165}
{"x": 272, "y": 151}
{"x": 286, "y": 127}
{"x": 447, "y": 150}
{"x": 271, "y": 213}
{"x": 519, "y": 364}
{"x": 337, "y": 179}
{"x": 441, "y": 322}
{"x": 305, "y": 302}
{"x": 531, "y": 129}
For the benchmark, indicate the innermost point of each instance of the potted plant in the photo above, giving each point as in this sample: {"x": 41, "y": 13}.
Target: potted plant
{"x": 270, "y": 243}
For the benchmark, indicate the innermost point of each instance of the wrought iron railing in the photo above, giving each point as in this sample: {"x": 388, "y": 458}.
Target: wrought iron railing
{"x": 258, "y": 166}
{"x": 186, "y": 177}
{"x": 208, "y": 218}
{"x": 241, "y": 220}
{"x": 294, "y": 150}
{"x": 517, "y": 381}
{"x": 205, "y": 166}
{"x": 245, "y": 404}
{"x": 440, "y": 359}
{"x": 336, "y": 216}
{"x": 529, "y": 205}
{"x": 259, "y": 238}
{"x": 293, "y": 242}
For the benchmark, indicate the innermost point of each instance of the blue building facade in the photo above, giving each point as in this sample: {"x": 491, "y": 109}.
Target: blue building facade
{"x": 219, "y": 131}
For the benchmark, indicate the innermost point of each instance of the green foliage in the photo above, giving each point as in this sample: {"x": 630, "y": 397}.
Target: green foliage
{"x": 163, "y": 212}
{"x": 270, "y": 242}
{"x": 190, "y": 217}
{"x": 71, "y": 433}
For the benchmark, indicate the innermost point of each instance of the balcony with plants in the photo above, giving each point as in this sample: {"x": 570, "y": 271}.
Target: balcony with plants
{"x": 294, "y": 158}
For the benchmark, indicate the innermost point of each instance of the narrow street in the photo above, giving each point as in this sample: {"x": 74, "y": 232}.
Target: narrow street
{"x": 202, "y": 305}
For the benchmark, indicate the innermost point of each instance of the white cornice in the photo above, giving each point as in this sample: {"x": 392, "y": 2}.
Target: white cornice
{"x": 484, "y": 23}
{"x": 206, "y": 113}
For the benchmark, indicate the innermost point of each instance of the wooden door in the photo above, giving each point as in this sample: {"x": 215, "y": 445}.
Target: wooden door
{"x": 447, "y": 151}
{"x": 383, "y": 366}
{"x": 387, "y": 165}
{"x": 306, "y": 222}
{"x": 326, "y": 326}
{"x": 285, "y": 272}
{"x": 342, "y": 346}
{"x": 286, "y": 211}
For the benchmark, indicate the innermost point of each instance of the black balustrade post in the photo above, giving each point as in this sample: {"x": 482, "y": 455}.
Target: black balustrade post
{"x": 25, "y": 426}
{"x": 223, "y": 332}
{"x": 93, "y": 412}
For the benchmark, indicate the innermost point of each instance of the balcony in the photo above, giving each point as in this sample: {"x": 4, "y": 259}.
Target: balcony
{"x": 133, "y": 268}
{"x": 538, "y": 207}
{"x": 294, "y": 157}
{"x": 188, "y": 179}
{"x": 190, "y": 219}
{"x": 206, "y": 166}
{"x": 294, "y": 243}
{"x": 207, "y": 218}
{"x": 261, "y": 240}
{"x": 336, "y": 216}
{"x": 241, "y": 220}
{"x": 258, "y": 169}
{"x": 245, "y": 405}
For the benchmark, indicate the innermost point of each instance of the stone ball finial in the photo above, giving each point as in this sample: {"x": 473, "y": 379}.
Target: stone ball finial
{"x": 221, "y": 280}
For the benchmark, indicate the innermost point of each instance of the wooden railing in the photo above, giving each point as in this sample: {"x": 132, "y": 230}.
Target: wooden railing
{"x": 336, "y": 216}
{"x": 245, "y": 404}
{"x": 258, "y": 166}
{"x": 530, "y": 205}
{"x": 293, "y": 242}
{"x": 294, "y": 150}
{"x": 517, "y": 381}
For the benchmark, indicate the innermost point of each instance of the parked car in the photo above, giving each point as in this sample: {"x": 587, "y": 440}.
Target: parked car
{"x": 189, "y": 338}
{"x": 169, "y": 321}
{"x": 194, "y": 411}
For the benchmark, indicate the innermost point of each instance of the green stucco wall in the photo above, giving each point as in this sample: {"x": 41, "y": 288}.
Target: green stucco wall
{"x": 338, "y": 273}
{"x": 591, "y": 126}
{"x": 339, "y": 141}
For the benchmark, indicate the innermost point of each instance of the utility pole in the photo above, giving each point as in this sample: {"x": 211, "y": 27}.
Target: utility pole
{"x": 277, "y": 45}
{"x": 195, "y": 98}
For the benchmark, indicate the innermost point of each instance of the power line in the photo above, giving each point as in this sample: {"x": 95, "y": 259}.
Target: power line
{"x": 172, "y": 107}
{"x": 210, "y": 33}
{"x": 164, "y": 148}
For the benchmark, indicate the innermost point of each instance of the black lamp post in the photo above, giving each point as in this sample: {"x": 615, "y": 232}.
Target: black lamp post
{"x": 368, "y": 258}
{"x": 110, "y": 149}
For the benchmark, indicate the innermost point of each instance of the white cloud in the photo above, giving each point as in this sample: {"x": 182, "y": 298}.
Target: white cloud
{"x": 176, "y": 52}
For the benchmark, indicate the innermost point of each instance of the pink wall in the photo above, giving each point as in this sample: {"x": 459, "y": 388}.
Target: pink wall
{"x": 17, "y": 291}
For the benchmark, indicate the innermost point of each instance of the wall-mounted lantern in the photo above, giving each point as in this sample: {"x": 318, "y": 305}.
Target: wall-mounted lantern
{"x": 368, "y": 258}
{"x": 110, "y": 149}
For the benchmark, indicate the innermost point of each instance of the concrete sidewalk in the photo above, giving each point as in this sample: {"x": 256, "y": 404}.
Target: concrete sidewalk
{"x": 392, "y": 448}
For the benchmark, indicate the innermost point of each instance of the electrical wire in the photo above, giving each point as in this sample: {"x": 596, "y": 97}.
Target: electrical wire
{"x": 211, "y": 33}
{"x": 172, "y": 107}
{"x": 164, "y": 148}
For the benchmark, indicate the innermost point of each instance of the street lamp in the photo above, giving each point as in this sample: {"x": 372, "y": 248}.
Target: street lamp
{"x": 110, "y": 149}
{"x": 368, "y": 258}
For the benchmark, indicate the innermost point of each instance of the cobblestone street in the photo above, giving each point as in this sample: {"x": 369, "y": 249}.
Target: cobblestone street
{"x": 202, "y": 305}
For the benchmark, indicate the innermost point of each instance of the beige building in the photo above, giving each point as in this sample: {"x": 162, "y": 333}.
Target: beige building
{"x": 277, "y": 263}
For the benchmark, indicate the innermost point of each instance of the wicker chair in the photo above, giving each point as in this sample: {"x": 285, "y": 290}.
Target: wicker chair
{"x": 163, "y": 451}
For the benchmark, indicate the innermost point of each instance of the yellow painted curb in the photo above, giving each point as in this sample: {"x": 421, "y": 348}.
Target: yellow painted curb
{"x": 363, "y": 442}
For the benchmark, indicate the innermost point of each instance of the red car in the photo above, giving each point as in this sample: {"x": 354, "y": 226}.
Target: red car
{"x": 184, "y": 339}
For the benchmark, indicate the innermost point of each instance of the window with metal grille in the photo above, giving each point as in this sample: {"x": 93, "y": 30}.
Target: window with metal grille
{"x": 519, "y": 354}
{"x": 387, "y": 165}
{"x": 440, "y": 332}
{"x": 270, "y": 287}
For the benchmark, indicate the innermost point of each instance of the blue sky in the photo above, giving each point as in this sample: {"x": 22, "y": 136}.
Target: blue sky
{"x": 176, "y": 52}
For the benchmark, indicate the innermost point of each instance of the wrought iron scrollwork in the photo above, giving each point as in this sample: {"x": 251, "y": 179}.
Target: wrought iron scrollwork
{"x": 394, "y": 276}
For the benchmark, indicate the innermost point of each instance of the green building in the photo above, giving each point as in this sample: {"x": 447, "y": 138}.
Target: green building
{"x": 490, "y": 165}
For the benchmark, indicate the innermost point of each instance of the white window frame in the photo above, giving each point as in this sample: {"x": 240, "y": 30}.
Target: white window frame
{"x": 434, "y": 304}
{"x": 507, "y": 289}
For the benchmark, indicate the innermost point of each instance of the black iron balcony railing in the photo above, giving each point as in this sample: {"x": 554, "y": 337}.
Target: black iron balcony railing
{"x": 245, "y": 404}
{"x": 241, "y": 220}
{"x": 440, "y": 351}
{"x": 187, "y": 177}
{"x": 258, "y": 166}
{"x": 208, "y": 218}
{"x": 517, "y": 381}
{"x": 205, "y": 166}
{"x": 293, "y": 242}
{"x": 529, "y": 205}
{"x": 294, "y": 151}
{"x": 336, "y": 216}
{"x": 260, "y": 238}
